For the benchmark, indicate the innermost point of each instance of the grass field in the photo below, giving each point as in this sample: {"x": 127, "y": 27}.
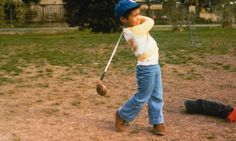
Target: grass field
{"x": 47, "y": 84}
{"x": 88, "y": 50}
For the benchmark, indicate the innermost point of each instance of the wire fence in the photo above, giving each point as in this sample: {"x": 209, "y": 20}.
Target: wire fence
{"x": 177, "y": 14}
{"x": 36, "y": 15}
{"x": 180, "y": 14}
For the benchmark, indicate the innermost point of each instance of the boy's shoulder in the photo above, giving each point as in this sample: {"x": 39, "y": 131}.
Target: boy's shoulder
{"x": 127, "y": 29}
{"x": 127, "y": 33}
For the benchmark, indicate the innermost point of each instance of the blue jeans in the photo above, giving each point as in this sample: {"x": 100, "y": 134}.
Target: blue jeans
{"x": 149, "y": 91}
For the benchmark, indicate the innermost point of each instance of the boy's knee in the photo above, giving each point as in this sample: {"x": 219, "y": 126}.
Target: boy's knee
{"x": 140, "y": 100}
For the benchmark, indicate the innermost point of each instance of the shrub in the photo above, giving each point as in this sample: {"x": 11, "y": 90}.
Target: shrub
{"x": 31, "y": 1}
{"x": 15, "y": 11}
{"x": 19, "y": 14}
{"x": 96, "y": 15}
{"x": 2, "y": 14}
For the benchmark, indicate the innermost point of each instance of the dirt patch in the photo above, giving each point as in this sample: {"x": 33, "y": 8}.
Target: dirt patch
{"x": 54, "y": 103}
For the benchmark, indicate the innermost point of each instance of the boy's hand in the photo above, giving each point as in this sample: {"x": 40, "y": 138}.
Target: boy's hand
{"x": 132, "y": 45}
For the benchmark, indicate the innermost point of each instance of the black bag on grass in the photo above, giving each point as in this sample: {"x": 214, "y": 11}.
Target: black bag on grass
{"x": 205, "y": 107}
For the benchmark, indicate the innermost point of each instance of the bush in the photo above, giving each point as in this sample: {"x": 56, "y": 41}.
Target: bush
{"x": 30, "y": 14}
{"x": 96, "y": 15}
{"x": 20, "y": 12}
{"x": 2, "y": 15}
{"x": 227, "y": 14}
{"x": 31, "y": 1}
{"x": 200, "y": 20}
{"x": 174, "y": 14}
{"x": 15, "y": 11}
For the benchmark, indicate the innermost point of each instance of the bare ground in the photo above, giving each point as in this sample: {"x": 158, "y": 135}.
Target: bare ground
{"x": 54, "y": 103}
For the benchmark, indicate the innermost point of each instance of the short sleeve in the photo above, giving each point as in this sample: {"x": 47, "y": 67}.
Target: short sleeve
{"x": 128, "y": 34}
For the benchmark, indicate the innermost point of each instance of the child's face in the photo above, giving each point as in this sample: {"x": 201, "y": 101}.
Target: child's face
{"x": 133, "y": 19}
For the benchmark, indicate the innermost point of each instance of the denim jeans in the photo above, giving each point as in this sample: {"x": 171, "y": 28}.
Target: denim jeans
{"x": 149, "y": 91}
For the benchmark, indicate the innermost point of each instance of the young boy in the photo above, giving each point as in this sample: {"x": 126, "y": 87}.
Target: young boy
{"x": 148, "y": 72}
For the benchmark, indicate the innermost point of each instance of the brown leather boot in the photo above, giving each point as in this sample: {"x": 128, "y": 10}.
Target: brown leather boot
{"x": 159, "y": 129}
{"x": 119, "y": 123}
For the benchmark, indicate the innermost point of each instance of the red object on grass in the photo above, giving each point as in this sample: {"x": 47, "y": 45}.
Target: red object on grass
{"x": 232, "y": 115}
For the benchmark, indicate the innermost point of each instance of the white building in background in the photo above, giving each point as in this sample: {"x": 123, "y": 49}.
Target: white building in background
{"x": 51, "y": 2}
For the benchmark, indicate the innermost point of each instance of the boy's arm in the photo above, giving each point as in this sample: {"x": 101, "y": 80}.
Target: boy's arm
{"x": 132, "y": 45}
{"x": 145, "y": 26}
{"x": 129, "y": 39}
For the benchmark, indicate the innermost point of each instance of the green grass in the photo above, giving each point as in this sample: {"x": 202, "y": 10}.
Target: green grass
{"x": 4, "y": 80}
{"x": 57, "y": 49}
{"x": 92, "y": 51}
{"x": 178, "y": 50}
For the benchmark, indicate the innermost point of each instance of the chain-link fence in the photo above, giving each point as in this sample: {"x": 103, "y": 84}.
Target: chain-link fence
{"x": 35, "y": 15}
{"x": 164, "y": 13}
{"x": 180, "y": 14}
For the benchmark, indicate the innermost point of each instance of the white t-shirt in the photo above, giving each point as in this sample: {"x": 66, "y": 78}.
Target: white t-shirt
{"x": 143, "y": 41}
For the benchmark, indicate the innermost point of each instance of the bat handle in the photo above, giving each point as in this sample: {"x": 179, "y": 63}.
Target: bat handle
{"x": 102, "y": 76}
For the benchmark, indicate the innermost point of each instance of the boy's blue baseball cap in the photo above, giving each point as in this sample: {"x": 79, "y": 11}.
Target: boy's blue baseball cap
{"x": 123, "y": 6}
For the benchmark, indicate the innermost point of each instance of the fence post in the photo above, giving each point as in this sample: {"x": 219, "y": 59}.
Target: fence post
{"x": 148, "y": 10}
{"x": 49, "y": 19}
{"x": 11, "y": 17}
{"x": 43, "y": 6}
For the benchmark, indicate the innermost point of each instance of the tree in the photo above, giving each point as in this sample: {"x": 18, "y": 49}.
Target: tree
{"x": 31, "y": 1}
{"x": 96, "y": 15}
{"x": 2, "y": 14}
{"x": 226, "y": 10}
{"x": 14, "y": 11}
{"x": 223, "y": 8}
{"x": 175, "y": 13}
